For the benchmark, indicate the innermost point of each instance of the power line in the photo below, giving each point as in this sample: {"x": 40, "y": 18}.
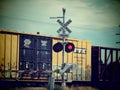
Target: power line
{"x": 25, "y": 19}
{"x": 43, "y": 22}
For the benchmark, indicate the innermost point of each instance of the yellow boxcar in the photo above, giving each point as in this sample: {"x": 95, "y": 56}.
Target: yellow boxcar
{"x": 10, "y": 57}
{"x": 9, "y": 54}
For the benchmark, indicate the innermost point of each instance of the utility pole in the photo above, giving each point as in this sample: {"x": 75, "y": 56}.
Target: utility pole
{"x": 118, "y": 34}
{"x": 62, "y": 32}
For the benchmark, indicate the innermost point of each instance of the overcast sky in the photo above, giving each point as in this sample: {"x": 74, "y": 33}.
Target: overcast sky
{"x": 94, "y": 20}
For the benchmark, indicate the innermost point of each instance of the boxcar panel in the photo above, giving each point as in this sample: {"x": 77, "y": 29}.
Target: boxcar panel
{"x": 9, "y": 55}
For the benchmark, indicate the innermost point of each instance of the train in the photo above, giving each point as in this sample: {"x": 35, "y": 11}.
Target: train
{"x": 30, "y": 57}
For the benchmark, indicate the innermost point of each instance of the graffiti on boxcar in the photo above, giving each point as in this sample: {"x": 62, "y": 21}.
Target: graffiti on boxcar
{"x": 1, "y": 70}
{"x": 43, "y": 43}
{"x": 88, "y": 72}
{"x": 27, "y": 43}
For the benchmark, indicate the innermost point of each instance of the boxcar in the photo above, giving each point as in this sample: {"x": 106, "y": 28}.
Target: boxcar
{"x": 105, "y": 64}
{"x": 26, "y": 56}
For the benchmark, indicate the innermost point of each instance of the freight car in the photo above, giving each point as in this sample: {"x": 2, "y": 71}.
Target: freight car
{"x": 30, "y": 57}
{"x": 105, "y": 65}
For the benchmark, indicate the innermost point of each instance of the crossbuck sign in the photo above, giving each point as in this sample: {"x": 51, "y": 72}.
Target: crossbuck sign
{"x": 64, "y": 27}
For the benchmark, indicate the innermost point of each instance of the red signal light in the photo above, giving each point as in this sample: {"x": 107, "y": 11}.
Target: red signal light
{"x": 69, "y": 47}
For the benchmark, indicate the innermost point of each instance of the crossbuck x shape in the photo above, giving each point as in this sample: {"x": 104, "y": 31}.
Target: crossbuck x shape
{"x": 64, "y": 26}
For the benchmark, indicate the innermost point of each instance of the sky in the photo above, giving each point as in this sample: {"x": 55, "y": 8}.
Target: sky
{"x": 94, "y": 20}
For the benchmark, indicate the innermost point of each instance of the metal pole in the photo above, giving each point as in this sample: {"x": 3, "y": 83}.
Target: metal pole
{"x": 64, "y": 35}
{"x": 63, "y": 32}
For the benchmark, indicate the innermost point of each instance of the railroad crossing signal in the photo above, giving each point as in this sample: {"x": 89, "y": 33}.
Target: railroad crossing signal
{"x": 69, "y": 47}
{"x": 64, "y": 26}
{"x": 62, "y": 32}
